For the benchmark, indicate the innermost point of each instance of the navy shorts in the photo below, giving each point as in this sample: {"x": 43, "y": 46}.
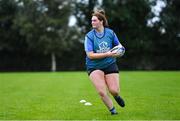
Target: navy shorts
{"x": 113, "y": 68}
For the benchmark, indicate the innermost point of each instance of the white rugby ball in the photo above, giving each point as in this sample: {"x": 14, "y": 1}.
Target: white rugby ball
{"x": 119, "y": 50}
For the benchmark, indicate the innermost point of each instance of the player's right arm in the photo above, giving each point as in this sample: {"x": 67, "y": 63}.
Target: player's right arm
{"x": 93, "y": 55}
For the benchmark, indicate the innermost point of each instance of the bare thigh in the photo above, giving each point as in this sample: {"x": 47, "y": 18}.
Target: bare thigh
{"x": 112, "y": 81}
{"x": 98, "y": 80}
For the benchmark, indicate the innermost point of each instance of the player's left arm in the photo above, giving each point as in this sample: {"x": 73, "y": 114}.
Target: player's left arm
{"x": 116, "y": 41}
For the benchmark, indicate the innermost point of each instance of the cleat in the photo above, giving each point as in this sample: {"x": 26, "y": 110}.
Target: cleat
{"x": 120, "y": 101}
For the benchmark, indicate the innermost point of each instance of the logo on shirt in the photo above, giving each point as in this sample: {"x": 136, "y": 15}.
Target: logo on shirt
{"x": 103, "y": 47}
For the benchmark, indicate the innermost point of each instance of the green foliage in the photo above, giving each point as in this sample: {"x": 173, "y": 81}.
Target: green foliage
{"x": 8, "y": 11}
{"x": 41, "y": 27}
{"x": 83, "y": 10}
{"x": 170, "y": 21}
{"x": 45, "y": 25}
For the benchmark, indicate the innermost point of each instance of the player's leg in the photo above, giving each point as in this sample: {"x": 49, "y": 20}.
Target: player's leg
{"x": 112, "y": 80}
{"x": 98, "y": 80}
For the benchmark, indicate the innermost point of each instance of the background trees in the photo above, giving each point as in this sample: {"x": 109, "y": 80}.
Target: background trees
{"x": 36, "y": 35}
{"x": 42, "y": 26}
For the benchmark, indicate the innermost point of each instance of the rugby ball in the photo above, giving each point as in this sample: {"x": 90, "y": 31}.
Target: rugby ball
{"x": 119, "y": 50}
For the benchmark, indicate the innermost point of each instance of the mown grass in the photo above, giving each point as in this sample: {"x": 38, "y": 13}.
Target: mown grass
{"x": 153, "y": 95}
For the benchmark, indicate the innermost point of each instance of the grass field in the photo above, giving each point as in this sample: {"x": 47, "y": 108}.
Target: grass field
{"x": 55, "y": 96}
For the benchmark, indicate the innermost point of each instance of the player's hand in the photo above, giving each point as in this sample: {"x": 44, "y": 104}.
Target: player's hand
{"x": 110, "y": 54}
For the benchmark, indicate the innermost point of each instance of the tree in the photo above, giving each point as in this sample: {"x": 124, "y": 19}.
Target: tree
{"x": 45, "y": 26}
{"x": 8, "y": 9}
{"x": 83, "y": 10}
{"x": 170, "y": 17}
{"x": 165, "y": 35}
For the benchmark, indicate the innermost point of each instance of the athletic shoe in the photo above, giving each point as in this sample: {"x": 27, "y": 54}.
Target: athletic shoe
{"x": 120, "y": 101}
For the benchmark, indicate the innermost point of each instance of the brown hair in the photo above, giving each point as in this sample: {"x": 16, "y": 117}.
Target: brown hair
{"x": 100, "y": 14}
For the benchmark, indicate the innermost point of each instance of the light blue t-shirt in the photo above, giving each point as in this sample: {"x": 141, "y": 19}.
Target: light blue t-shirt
{"x": 100, "y": 43}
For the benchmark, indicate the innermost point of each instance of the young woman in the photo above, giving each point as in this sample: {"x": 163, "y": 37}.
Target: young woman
{"x": 101, "y": 63}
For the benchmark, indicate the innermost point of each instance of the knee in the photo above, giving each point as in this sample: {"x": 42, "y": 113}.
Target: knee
{"x": 102, "y": 93}
{"x": 114, "y": 91}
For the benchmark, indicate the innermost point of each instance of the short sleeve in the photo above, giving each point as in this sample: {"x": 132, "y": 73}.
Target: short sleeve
{"x": 88, "y": 44}
{"x": 116, "y": 40}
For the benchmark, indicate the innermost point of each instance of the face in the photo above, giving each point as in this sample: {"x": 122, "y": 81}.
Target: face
{"x": 96, "y": 23}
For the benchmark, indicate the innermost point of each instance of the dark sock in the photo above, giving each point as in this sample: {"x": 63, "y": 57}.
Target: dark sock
{"x": 113, "y": 111}
{"x": 119, "y": 100}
